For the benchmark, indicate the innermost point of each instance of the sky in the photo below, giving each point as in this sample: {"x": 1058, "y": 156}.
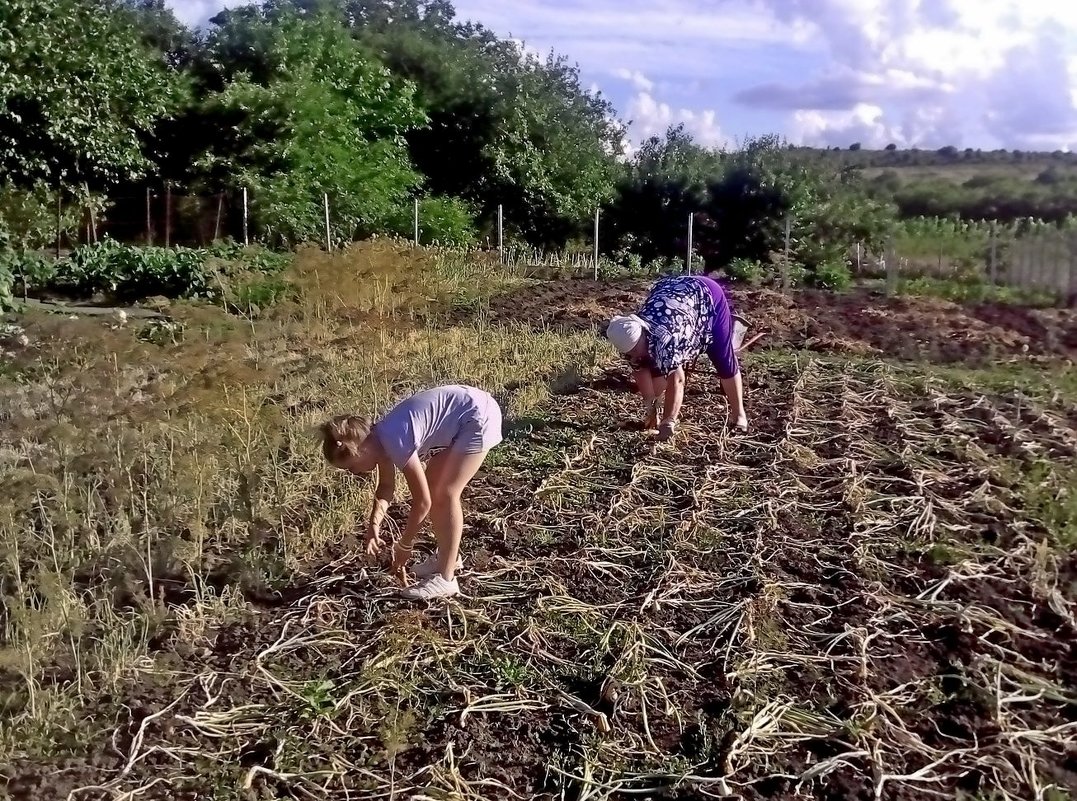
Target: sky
{"x": 916, "y": 73}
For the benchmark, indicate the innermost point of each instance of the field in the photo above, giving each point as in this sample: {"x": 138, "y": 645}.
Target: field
{"x": 871, "y": 595}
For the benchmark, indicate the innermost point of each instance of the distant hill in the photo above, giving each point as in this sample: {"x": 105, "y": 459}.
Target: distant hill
{"x": 972, "y": 184}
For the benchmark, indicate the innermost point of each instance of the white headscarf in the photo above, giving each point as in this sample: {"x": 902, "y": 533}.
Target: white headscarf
{"x": 624, "y": 331}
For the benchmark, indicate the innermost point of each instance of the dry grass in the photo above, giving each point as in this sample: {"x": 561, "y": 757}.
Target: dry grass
{"x": 858, "y": 598}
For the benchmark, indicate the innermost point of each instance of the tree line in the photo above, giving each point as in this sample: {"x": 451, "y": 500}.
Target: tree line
{"x": 379, "y": 104}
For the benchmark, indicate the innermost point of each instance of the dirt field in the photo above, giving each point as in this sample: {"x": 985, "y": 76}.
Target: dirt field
{"x": 859, "y": 323}
{"x": 871, "y": 595}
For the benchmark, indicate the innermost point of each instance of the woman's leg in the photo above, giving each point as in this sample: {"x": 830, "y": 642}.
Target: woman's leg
{"x": 452, "y": 473}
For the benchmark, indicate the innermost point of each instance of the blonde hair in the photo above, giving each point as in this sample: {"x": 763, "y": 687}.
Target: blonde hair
{"x": 343, "y": 436}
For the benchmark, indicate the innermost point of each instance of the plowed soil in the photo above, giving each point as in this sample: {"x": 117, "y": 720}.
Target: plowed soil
{"x": 858, "y": 323}
{"x": 855, "y": 600}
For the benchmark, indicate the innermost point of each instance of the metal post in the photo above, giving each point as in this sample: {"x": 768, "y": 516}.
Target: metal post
{"x": 785, "y": 259}
{"x": 149, "y": 216}
{"x": 168, "y": 212}
{"x": 416, "y": 215}
{"x": 328, "y": 236}
{"x": 688, "y": 261}
{"x": 993, "y": 265}
{"x": 596, "y": 243}
{"x": 500, "y": 234}
{"x": 59, "y": 217}
{"x": 246, "y": 240}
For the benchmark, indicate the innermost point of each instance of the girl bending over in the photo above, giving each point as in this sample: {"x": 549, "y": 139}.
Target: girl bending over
{"x": 464, "y": 423}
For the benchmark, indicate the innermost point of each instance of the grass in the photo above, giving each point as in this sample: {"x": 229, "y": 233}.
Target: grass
{"x": 711, "y": 617}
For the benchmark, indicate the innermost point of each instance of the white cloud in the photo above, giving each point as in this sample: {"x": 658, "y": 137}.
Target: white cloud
{"x": 197, "y": 12}
{"x": 636, "y": 78}
{"x": 650, "y": 117}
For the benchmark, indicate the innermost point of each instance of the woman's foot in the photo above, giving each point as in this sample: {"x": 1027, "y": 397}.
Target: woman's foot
{"x": 432, "y": 587}
{"x": 429, "y": 566}
{"x": 740, "y": 425}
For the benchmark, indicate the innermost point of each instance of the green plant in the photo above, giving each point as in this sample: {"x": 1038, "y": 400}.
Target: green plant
{"x": 747, "y": 271}
{"x": 831, "y": 275}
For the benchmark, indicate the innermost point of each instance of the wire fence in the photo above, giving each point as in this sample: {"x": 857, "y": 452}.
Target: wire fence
{"x": 1042, "y": 258}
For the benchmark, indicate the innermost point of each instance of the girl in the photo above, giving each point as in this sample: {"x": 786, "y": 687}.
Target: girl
{"x": 463, "y": 421}
{"x": 683, "y": 317}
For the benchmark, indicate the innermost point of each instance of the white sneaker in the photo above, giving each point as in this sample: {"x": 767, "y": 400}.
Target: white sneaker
{"x": 429, "y": 566}
{"x": 429, "y": 588}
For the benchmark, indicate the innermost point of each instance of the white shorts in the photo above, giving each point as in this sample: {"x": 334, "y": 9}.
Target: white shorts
{"x": 482, "y": 432}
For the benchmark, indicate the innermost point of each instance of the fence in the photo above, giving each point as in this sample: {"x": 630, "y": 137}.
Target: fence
{"x": 1031, "y": 257}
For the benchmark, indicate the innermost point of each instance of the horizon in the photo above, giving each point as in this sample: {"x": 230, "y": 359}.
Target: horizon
{"x": 989, "y": 75}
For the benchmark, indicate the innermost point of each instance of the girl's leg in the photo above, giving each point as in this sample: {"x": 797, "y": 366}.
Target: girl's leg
{"x": 452, "y": 474}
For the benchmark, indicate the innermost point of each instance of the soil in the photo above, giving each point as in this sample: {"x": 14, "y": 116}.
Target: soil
{"x": 857, "y": 323}
{"x": 769, "y": 611}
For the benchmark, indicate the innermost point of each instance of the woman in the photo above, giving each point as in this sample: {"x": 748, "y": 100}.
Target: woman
{"x": 463, "y": 421}
{"x": 683, "y": 317}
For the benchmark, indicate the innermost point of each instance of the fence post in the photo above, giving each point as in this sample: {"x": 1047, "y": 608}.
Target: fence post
{"x": 168, "y": 213}
{"x": 149, "y": 216}
{"x": 500, "y": 234}
{"x": 858, "y": 267}
{"x": 993, "y": 264}
{"x": 596, "y": 243}
{"x": 416, "y": 221}
{"x": 246, "y": 240}
{"x": 217, "y": 223}
{"x": 691, "y": 217}
{"x": 891, "y": 264}
{"x": 59, "y": 216}
{"x": 328, "y": 236}
{"x": 785, "y": 258}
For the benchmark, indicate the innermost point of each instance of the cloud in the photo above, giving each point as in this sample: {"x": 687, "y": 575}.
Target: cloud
{"x": 650, "y": 117}
{"x": 985, "y": 72}
{"x": 636, "y": 78}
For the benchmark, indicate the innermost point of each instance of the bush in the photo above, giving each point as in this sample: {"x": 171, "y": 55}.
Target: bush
{"x": 446, "y": 221}
{"x": 832, "y": 275}
{"x": 7, "y": 282}
{"x": 747, "y": 271}
{"x": 124, "y": 273}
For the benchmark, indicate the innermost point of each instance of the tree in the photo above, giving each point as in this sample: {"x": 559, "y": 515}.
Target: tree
{"x": 315, "y": 115}
{"x": 78, "y": 90}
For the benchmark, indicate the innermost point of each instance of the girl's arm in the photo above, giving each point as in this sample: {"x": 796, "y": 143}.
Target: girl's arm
{"x": 415, "y": 475}
{"x": 384, "y": 492}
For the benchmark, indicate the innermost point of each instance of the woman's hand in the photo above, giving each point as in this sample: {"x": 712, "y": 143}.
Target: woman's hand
{"x": 650, "y": 415}
{"x": 667, "y": 429}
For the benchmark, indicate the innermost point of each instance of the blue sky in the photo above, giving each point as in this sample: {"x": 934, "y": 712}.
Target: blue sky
{"x": 923, "y": 73}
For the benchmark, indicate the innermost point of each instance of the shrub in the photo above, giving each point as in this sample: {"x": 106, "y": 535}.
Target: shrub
{"x": 747, "y": 271}
{"x": 832, "y": 275}
{"x": 443, "y": 220}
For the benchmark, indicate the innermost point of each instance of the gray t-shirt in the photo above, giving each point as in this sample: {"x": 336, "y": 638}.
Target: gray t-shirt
{"x": 432, "y": 419}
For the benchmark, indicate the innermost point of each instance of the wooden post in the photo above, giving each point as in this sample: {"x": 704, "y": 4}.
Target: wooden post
{"x": 59, "y": 217}
{"x": 220, "y": 210}
{"x": 246, "y": 239}
{"x": 500, "y": 234}
{"x": 891, "y": 264}
{"x": 328, "y": 235}
{"x": 168, "y": 213}
{"x": 597, "y": 244}
{"x": 785, "y": 258}
{"x": 992, "y": 266}
{"x": 416, "y": 210}
{"x": 688, "y": 262}
{"x": 149, "y": 216}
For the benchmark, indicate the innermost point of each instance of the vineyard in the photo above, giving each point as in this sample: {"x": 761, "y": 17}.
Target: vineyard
{"x": 869, "y": 595}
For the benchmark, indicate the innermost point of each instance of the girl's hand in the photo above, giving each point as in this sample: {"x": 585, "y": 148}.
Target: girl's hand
{"x": 373, "y": 541}
{"x": 401, "y": 555}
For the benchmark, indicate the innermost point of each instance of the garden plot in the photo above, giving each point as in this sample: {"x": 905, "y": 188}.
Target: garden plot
{"x": 864, "y": 597}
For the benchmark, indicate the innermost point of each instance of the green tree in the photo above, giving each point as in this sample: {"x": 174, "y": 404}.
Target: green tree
{"x": 320, "y": 117}
{"x": 78, "y": 90}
